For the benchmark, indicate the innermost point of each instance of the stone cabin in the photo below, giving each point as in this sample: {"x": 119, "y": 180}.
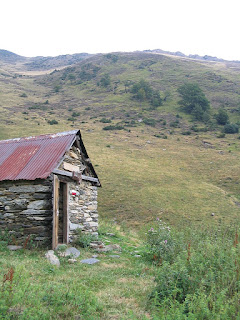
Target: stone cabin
{"x": 48, "y": 188}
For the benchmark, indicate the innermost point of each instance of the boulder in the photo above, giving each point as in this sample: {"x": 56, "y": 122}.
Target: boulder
{"x": 52, "y": 258}
{"x": 72, "y": 252}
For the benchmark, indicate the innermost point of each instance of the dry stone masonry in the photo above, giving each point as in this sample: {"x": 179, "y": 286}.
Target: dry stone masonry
{"x": 83, "y": 208}
{"x": 26, "y": 209}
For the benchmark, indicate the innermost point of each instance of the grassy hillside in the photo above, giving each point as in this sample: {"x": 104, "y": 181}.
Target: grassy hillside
{"x": 148, "y": 169}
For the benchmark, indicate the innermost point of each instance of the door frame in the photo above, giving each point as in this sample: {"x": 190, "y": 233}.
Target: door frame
{"x": 55, "y": 230}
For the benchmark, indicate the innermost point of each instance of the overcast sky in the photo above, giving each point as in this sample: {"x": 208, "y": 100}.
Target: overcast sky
{"x": 54, "y": 27}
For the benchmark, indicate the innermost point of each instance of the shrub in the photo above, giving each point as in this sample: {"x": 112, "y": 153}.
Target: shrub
{"x": 23, "y": 95}
{"x": 104, "y": 120}
{"x": 112, "y": 57}
{"x": 174, "y": 124}
{"x": 186, "y": 133}
{"x": 222, "y": 117}
{"x": 75, "y": 114}
{"x": 84, "y": 239}
{"x": 38, "y": 106}
{"x": 161, "y": 243}
{"x": 161, "y": 135}
{"x": 150, "y": 122}
{"x": 231, "y": 128}
{"x": 57, "y": 88}
{"x": 51, "y": 122}
{"x": 143, "y": 91}
{"x": 221, "y": 135}
{"x": 105, "y": 81}
{"x": 113, "y": 127}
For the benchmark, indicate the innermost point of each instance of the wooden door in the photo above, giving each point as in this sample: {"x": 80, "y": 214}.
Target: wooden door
{"x": 56, "y": 184}
{"x": 65, "y": 214}
{"x": 60, "y": 233}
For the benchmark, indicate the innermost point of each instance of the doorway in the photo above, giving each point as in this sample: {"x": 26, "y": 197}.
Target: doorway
{"x": 60, "y": 234}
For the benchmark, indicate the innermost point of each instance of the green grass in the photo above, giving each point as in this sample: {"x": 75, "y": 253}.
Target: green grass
{"x": 115, "y": 288}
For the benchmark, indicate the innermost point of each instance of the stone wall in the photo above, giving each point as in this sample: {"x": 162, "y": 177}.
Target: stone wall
{"x": 83, "y": 208}
{"x": 26, "y": 209}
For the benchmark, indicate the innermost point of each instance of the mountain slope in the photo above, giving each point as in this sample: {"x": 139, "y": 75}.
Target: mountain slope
{"x": 10, "y": 57}
{"x": 161, "y": 163}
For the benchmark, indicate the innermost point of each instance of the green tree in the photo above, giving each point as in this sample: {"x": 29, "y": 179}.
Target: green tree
{"x": 71, "y": 77}
{"x": 192, "y": 99}
{"x": 222, "y": 117}
{"x": 143, "y": 91}
{"x": 105, "y": 81}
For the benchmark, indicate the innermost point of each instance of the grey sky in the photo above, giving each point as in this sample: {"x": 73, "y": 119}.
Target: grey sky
{"x": 54, "y": 27}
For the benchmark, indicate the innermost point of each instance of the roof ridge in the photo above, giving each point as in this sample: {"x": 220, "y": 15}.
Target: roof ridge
{"x": 41, "y": 136}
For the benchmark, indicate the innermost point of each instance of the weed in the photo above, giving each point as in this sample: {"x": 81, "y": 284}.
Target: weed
{"x": 7, "y": 286}
{"x": 84, "y": 239}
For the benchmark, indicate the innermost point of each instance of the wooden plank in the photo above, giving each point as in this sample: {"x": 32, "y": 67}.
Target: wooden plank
{"x": 87, "y": 178}
{"x": 69, "y": 174}
{"x": 55, "y": 212}
{"x": 69, "y": 167}
{"x": 65, "y": 213}
{"x": 62, "y": 173}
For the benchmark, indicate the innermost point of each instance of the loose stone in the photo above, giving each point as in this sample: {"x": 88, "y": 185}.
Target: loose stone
{"x": 90, "y": 261}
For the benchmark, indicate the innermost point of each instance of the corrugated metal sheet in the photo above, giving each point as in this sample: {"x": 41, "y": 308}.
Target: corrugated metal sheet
{"x": 33, "y": 157}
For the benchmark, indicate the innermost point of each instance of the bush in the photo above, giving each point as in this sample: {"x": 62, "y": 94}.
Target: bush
{"x": 75, "y": 114}
{"x": 174, "y": 124}
{"x": 231, "y": 128}
{"x": 113, "y": 127}
{"x": 51, "y": 122}
{"x": 162, "y": 245}
{"x": 38, "y": 106}
{"x": 150, "y": 122}
{"x": 57, "y": 88}
{"x": 186, "y": 133}
{"x": 221, "y": 135}
{"x": 143, "y": 91}
{"x": 222, "y": 117}
{"x": 104, "y": 120}
{"x": 84, "y": 239}
{"x": 105, "y": 81}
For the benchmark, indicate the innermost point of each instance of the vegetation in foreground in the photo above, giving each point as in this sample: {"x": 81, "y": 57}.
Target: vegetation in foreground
{"x": 197, "y": 275}
{"x": 160, "y": 274}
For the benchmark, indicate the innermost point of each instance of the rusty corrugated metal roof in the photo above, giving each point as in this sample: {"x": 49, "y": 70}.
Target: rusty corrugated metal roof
{"x": 33, "y": 157}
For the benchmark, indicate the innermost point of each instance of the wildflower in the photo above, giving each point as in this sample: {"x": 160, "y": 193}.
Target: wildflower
{"x": 165, "y": 241}
{"x": 157, "y": 219}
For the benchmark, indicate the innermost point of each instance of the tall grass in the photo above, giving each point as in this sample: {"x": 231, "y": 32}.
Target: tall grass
{"x": 198, "y": 273}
